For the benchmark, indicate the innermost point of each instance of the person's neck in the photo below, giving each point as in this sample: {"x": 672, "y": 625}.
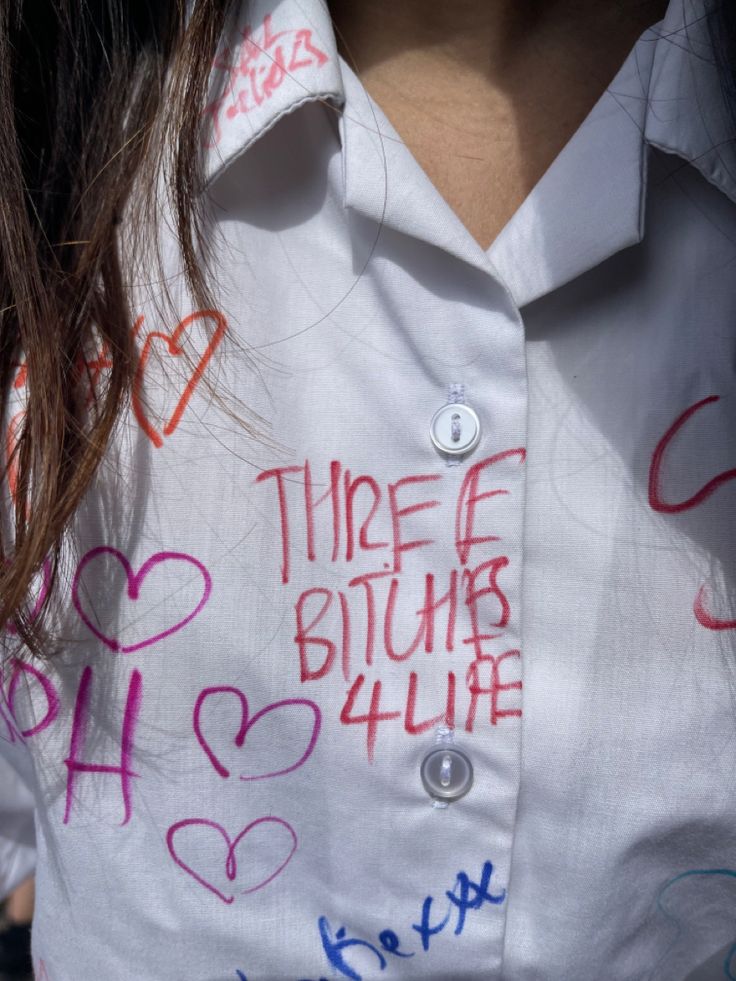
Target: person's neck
{"x": 479, "y": 34}
{"x": 487, "y": 92}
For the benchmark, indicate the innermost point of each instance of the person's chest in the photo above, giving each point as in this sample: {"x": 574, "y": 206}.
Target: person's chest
{"x": 267, "y": 641}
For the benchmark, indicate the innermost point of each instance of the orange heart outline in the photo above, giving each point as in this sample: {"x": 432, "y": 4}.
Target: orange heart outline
{"x": 175, "y": 350}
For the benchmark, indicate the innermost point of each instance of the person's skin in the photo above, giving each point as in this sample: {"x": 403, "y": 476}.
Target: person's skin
{"x": 19, "y": 907}
{"x": 486, "y": 93}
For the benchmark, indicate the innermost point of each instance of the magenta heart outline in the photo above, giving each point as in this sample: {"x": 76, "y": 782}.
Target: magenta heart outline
{"x": 135, "y": 581}
{"x": 231, "y": 865}
{"x": 247, "y": 724}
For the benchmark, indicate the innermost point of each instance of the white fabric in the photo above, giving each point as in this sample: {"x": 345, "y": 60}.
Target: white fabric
{"x": 585, "y": 549}
{"x": 17, "y": 837}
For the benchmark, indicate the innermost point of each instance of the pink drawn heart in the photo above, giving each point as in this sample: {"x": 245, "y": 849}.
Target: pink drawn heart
{"x": 231, "y": 865}
{"x": 247, "y": 724}
{"x": 135, "y": 581}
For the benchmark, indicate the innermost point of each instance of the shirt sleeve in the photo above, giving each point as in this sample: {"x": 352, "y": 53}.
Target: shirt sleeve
{"x": 17, "y": 832}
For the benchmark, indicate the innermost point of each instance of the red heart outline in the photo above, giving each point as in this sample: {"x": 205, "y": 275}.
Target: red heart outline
{"x": 175, "y": 350}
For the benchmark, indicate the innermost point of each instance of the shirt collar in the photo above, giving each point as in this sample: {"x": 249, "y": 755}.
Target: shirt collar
{"x": 278, "y": 55}
{"x": 383, "y": 182}
{"x": 589, "y": 204}
{"x": 687, "y": 110}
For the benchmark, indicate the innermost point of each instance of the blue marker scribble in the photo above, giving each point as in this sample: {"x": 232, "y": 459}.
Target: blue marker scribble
{"x": 391, "y": 943}
{"x": 424, "y": 929}
{"x": 729, "y": 962}
{"x": 334, "y": 947}
{"x": 465, "y": 896}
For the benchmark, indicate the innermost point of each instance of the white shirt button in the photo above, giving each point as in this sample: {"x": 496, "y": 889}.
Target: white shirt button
{"x": 455, "y": 429}
{"x": 447, "y": 773}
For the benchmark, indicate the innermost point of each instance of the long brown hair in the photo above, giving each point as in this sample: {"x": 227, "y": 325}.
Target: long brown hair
{"x": 82, "y": 86}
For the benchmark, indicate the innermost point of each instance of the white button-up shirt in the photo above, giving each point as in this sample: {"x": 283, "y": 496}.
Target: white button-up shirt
{"x": 263, "y": 636}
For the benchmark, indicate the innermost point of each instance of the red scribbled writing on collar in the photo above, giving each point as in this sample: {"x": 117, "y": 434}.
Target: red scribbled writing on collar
{"x": 259, "y": 64}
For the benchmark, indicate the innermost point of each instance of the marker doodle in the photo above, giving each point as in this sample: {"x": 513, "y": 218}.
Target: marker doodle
{"x": 382, "y": 615}
{"x": 172, "y": 345}
{"x": 465, "y": 896}
{"x": 259, "y": 65}
{"x": 703, "y": 615}
{"x": 470, "y": 496}
{"x": 21, "y": 376}
{"x": 231, "y": 865}
{"x": 19, "y": 669}
{"x": 75, "y": 765}
{"x": 135, "y": 581}
{"x": 729, "y": 960}
{"x": 12, "y": 439}
{"x": 249, "y": 722}
{"x": 93, "y": 370}
{"x": 657, "y": 502}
